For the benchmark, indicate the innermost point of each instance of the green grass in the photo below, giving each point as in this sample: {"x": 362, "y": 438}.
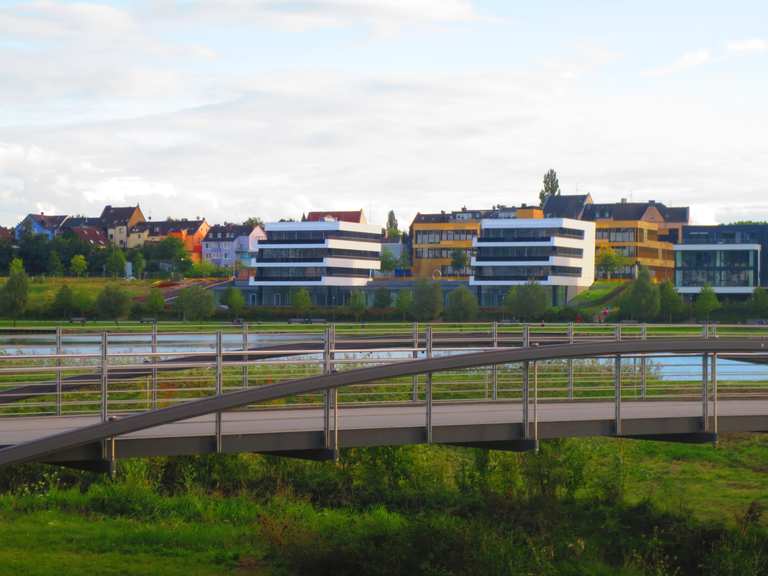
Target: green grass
{"x": 64, "y": 543}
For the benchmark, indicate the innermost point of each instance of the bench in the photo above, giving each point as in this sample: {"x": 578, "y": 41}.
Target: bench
{"x": 148, "y": 320}
{"x": 78, "y": 320}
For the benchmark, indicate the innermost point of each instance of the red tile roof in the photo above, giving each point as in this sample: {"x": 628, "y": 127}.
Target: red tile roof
{"x": 343, "y": 216}
{"x": 94, "y": 236}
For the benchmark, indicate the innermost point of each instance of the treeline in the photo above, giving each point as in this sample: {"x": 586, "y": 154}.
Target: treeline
{"x": 644, "y": 301}
{"x": 69, "y": 255}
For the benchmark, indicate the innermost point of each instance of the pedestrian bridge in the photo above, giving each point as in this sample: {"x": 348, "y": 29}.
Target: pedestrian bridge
{"x": 312, "y": 394}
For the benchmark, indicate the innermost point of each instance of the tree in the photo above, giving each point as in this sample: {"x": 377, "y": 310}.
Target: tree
{"x": 55, "y": 267}
{"x": 78, "y": 265}
{"x": 15, "y": 291}
{"x": 34, "y": 250}
{"x": 382, "y": 298}
{"x": 139, "y": 265}
{"x": 6, "y": 255}
{"x": 234, "y": 300}
{"x": 357, "y": 304}
{"x": 393, "y": 232}
{"x": 63, "y": 304}
{"x": 301, "y": 302}
{"x": 115, "y": 262}
{"x": 253, "y": 221}
{"x": 113, "y": 302}
{"x": 642, "y": 300}
{"x": 608, "y": 261}
{"x": 462, "y": 305}
{"x": 458, "y": 261}
{"x": 670, "y": 303}
{"x": 388, "y": 261}
{"x": 427, "y": 301}
{"x": 759, "y": 303}
{"x": 527, "y": 302}
{"x": 551, "y": 187}
{"x": 405, "y": 259}
{"x": 706, "y": 303}
{"x": 154, "y": 303}
{"x": 194, "y": 303}
{"x": 404, "y": 303}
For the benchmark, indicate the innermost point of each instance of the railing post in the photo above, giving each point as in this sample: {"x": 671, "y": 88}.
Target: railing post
{"x": 428, "y": 387}
{"x": 59, "y": 351}
{"x": 525, "y": 399}
{"x": 494, "y": 367}
{"x": 104, "y": 377}
{"x": 154, "y": 363}
{"x": 219, "y": 389}
{"x": 714, "y": 395}
{"x": 330, "y": 397}
{"x": 334, "y": 396}
{"x": 415, "y": 354}
{"x": 245, "y": 356}
{"x": 536, "y": 405}
{"x": 643, "y": 365}
{"x": 617, "y": 393}
{"x": 705, "y": 391}
{"x": 569, "y": 362}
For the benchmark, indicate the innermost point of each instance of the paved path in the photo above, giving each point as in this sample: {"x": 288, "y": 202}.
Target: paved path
{"x": 281, "y": 420}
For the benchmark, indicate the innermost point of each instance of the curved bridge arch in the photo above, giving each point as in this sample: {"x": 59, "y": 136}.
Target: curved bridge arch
{"x": 44, "y": 447}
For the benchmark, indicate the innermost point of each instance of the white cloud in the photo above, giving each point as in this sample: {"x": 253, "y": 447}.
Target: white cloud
{"x": 687, "y": 60}
{"x": 748, "y": 46}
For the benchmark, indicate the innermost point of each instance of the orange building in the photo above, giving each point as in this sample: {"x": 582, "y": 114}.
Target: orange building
{"x": 190, "y": 232}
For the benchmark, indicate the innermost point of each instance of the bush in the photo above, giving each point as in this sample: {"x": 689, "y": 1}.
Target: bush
{"x": 462, "y": 305}
{"x": 113, "y": 302}
{"x": 194, "y": 303}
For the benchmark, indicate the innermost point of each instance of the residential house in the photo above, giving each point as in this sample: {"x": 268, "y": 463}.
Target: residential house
{"x": 118, "y": 220}
{"x": 91, "y": 235}
{"x": 227, "y": 245}
{"x": 190, "y": 232}
{"x": 45, "y": 224}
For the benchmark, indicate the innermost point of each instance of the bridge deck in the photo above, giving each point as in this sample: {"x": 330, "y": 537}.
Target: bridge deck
{"x": 288, "y": 429}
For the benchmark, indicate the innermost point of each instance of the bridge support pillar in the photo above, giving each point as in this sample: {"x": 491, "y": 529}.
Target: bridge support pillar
{"x": 643, "y": 365}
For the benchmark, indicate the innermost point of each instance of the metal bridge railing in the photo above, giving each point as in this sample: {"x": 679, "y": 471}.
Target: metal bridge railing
{"x": 82, "y": 373}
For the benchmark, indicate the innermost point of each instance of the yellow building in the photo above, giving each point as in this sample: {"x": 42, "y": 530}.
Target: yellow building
{"x": 638, "y": 242}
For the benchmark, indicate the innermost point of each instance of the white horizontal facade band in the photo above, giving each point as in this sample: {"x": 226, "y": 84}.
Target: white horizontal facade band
{"x": 322, "y": 226}
{"x": 547, "y": 261}
{"x": 715, "y": 247}
{"x": 717, "y": 289}
{"x": 341, "y": 281}
{"x": 333, "y": 262}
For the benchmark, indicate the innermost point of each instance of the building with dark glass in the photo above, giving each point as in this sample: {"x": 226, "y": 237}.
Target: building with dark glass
{"x": 558, "y": 253}
{"x": 328, "y": 253}
{"x": 731, "y": 258}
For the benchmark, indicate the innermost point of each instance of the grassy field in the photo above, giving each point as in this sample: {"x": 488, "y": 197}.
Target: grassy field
{"x": 635, "y": 508}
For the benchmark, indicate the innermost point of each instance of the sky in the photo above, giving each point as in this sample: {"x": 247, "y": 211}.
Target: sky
{"x": 235, "y": 108}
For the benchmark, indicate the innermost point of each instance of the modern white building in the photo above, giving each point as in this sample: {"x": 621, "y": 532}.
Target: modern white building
{"x": 226, "y": 244}
{"x": 555, "y": 252}
{"x": 327, "y": 255}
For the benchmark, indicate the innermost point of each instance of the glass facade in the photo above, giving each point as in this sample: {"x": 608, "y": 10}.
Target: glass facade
{"x": 529, "y": 234}
{"x": 437, "y": 236}
{"x": 522, "y": 253}
{"x": 718, "y": 268}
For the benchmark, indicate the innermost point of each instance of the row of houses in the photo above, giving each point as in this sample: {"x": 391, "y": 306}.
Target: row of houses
{"x": 557, "y": 245}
